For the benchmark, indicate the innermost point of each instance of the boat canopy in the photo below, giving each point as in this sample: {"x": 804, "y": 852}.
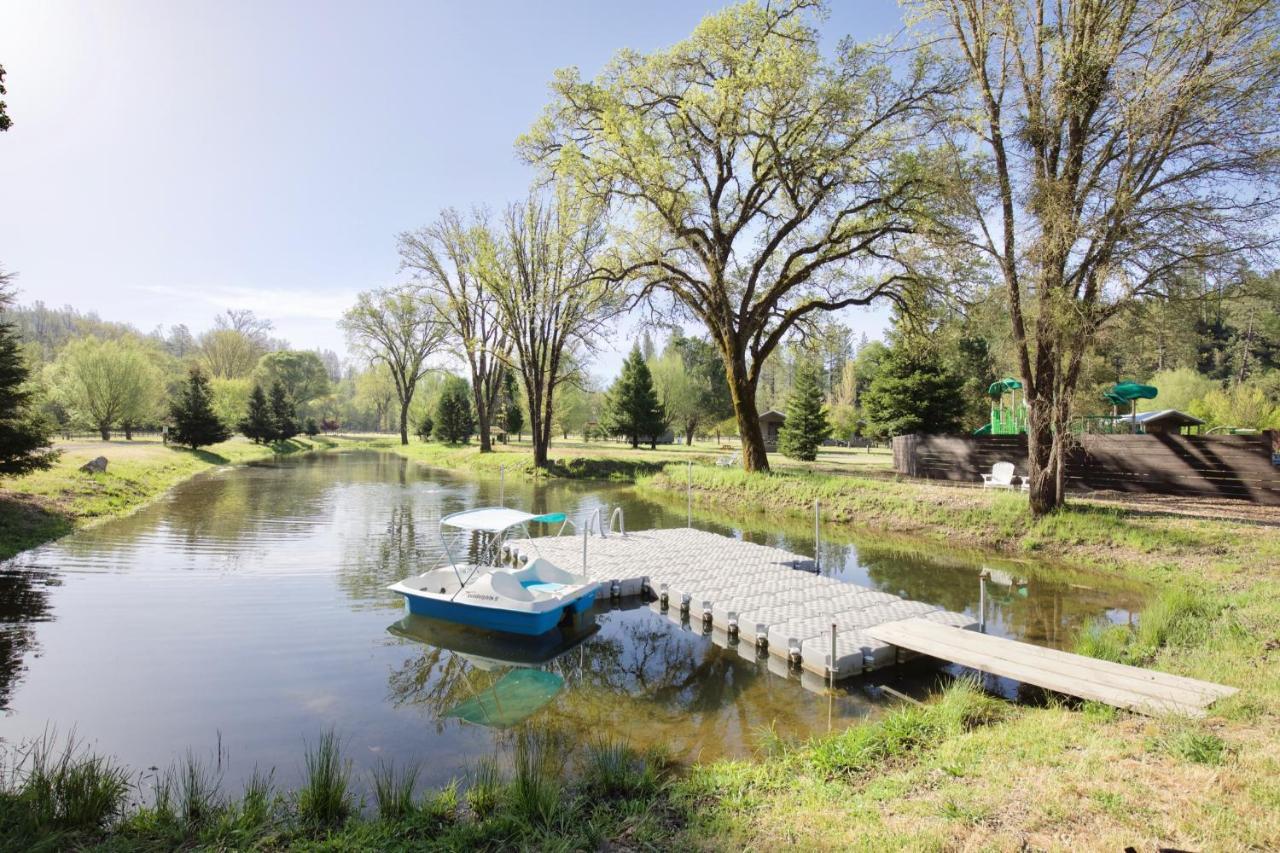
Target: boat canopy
{"x": 495, "y": 519}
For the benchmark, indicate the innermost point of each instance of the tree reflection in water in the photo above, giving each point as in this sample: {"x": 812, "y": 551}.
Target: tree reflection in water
{"x": 24, "y": 602}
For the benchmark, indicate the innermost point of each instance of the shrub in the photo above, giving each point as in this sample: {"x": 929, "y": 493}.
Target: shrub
{"x": 424, "y": 427}
{"x": 325, "y": 797}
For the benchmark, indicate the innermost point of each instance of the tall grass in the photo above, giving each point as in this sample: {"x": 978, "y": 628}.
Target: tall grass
{"x": 484, "y": 786}
{"x": 393, "y": 789}
{"x": 538, "y": 761}
{"x": 325, "y": 799}
{"x": 1182, "y": 616}
{"x": 58, "y": 786}
{"x": 611, "y": 768}
{"x": 961, "y": 707}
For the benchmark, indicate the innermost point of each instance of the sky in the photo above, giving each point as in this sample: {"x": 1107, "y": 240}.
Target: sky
{"x": 169, "y": 160}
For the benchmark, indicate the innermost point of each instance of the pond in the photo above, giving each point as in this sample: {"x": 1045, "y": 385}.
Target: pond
{"x": 248, "y": 608}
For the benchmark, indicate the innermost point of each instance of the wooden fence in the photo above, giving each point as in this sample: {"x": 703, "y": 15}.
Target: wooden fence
{"x": 1229, "y": 466}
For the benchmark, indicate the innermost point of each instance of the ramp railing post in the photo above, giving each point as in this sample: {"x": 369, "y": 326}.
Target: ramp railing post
{"x": 831, "y": 668}
{"x": 982, "y": 600}
{"x": 817, "y": 537}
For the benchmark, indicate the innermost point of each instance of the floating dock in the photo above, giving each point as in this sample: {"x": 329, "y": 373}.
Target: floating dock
{"x": 774, "y": 599}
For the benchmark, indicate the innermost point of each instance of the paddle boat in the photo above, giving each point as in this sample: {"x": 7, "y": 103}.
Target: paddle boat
{"x": 530, "y": 600}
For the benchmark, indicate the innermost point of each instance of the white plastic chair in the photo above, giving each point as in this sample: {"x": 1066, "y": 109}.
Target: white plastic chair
{"x": 729, "y": 461}
{"x": 1001, "y": 476}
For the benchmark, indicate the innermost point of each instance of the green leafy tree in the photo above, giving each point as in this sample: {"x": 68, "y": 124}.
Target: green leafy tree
{"x": 913, "y": 392}
{"x": 1105, "y": 150}
{"x": 806, "y": 426}
{"x": 454, "y": 420}
{"x": 425, "y": 425}
{"x": 762, "y": 183}
{"x": 631, "y": 407}
{"x": 195, "y": 423}
{"x": 25, "y": 434}
{"x": 258, "y": 425}
{"x": 107, "y": 383}
{"x": 311, "y": 428}
{"x": 302, "y": 373}
{"x": 284, "y": 415}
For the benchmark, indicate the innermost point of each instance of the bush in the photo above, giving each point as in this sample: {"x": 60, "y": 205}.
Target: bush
{"x": 311, "y": 428}
{"x": 424, "y": 427}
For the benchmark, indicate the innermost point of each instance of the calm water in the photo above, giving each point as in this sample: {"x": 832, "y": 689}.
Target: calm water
{"x": 250, "y": 606}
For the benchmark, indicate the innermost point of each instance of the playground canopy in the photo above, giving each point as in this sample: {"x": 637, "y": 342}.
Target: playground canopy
{"x": 1003, "y": 387}
{"x": 1128, "y": 392}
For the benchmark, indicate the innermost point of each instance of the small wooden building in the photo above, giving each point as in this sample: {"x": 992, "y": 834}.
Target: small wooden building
{"x": 770, "y": 422}
{"x": 1164, "y": 421}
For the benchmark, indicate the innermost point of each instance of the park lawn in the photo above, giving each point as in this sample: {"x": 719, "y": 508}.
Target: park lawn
{"x": 44, "y": 505}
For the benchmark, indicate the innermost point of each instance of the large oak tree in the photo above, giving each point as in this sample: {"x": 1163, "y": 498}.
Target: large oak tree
{"x": 1103, "y": 148}
{"x": 755, "y": 182}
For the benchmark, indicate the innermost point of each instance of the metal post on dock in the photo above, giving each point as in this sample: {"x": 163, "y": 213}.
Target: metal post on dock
{"x": 817, "y": 537}
{"x": 831, "y": 667}
{"x": 689, "y": 499}
{"x": 982, "y": 600}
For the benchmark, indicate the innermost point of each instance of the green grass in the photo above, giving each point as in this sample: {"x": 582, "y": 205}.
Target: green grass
{"x": 45, "y": 505}
{"x": 325, "y": 799}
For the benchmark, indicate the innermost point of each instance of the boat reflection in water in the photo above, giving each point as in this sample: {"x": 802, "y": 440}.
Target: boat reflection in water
{"x": 521, "y": 688}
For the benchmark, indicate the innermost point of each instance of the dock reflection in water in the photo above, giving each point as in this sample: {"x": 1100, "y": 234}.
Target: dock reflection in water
{"x": 252, "y": 605}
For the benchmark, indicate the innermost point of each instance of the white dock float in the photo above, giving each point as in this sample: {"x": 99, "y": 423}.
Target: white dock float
{"x": 756, "y": 591}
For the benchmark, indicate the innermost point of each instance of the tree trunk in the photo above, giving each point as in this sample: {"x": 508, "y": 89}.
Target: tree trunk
{"x": 128, "y": 431}
{"x": 688, "y": 436}
{"x": 743, "y": 391}
{"x": 482, "y": 423}
{"x": 105, "y": 431}
{"x": 404, "y": 421}
{"x": 1044, "y": 494}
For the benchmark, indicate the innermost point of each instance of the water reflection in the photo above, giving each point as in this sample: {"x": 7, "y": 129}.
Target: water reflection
{"x": 253, "y": 602}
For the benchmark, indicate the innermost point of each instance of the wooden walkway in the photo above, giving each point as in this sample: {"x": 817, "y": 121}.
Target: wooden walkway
{"x": 1143, "y": 690}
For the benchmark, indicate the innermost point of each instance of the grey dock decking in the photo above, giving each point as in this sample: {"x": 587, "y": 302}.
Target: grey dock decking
{"x": 757, "y": 592}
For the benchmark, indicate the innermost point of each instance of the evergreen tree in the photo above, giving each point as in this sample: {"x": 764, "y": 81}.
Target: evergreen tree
{"x": 512, "y": 416}
{"x": 25, "y": 435}
{"x": 631, "y": 406}
{"x": 424, "y": 427}
{"x": 454, "y": 419}
{"x": 806, "y": 426}
{"x": 914, "y": 392}
{"x": 195, "y": 423}
{"x": 284, "y": 415}
{"x": 311, "y": 428}
{"x": 258, "y": 424}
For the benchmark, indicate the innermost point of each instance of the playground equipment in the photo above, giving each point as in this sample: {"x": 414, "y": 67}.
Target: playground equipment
{"x": 1005, "y": 420}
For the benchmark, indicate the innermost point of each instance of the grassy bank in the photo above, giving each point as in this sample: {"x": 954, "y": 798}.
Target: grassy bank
{"x": 44, "y": 505}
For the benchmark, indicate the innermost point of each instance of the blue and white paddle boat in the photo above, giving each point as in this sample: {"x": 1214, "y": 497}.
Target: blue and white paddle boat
{"x": 530, "y": 599}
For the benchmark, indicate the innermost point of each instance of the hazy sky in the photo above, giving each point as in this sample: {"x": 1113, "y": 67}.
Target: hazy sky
{"x": 171, "y": 159}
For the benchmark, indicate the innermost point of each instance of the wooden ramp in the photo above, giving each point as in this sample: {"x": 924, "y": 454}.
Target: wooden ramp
{"x": 1143, "y": 690}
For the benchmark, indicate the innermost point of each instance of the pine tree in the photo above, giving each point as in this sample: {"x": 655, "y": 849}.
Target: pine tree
{"x": 914, "y": 392}
{"x": 806, "y": 426}
{"x": 195, "y": 423}
{"x": 258, "y": 424}
{"x": 454, "y": 419}
{"x": 512, "y": 415}
{"x": 25, "y": 435}
{"x": 631, "y": 405}
{"x": 283, "y": 413}
{"x": 425, "y": 425}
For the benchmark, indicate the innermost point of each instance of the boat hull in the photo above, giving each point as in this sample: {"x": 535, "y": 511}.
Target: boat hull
{"x": 530, "y": 624}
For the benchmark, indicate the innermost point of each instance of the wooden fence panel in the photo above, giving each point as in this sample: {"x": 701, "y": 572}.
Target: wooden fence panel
{"x": 1232, "y": 466}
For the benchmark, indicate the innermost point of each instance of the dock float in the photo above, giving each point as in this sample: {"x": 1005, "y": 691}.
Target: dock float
{"x": 773, "y": 600}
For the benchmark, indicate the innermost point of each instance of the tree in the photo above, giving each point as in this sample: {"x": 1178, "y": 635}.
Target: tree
{"x": 443, "y": 259}
{"x": 398, "y": 328}
{"x": 258, "y": 425}
{"x": 284, "y": 415}
{"x": 231, "y": 349}
{"x": 541, "y": 274}
{"x": 1104, "y": 149}
{"x": 25, "y": 435}
{"x": 759, "y": 183}
{"x": 454, "y": 421}
{"x": 302, "y": 374}
{"x": 195, "y": 423}
{"x": 806, "y": 425}
{"x": 631, "y": 406}
{"x": 913, "y": 392}
{"x": 106, "y": 383}
{"x": 691, "y": 384}
{"x": 311, "y": 428}
{"x": 375, "y": 390}
{"x": 512, "y": 417}
{"x": 425, "y": 425}
{"x": 5, "y": 121}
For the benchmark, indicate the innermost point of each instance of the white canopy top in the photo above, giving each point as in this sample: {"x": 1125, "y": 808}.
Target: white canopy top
{"x": 494, "y": 519}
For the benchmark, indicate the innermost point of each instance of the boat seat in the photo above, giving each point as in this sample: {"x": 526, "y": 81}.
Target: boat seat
{"x": 504, "y": 584}
{"x": 542, "y": 586}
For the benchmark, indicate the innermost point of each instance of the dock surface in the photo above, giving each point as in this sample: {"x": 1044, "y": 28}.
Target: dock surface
{"x": 775, "y": 599}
